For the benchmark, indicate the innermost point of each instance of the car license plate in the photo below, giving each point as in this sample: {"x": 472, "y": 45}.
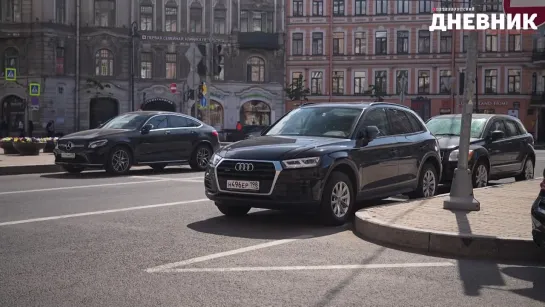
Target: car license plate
{"x": 68, "y": 155}
{"x": 243, "y": 185}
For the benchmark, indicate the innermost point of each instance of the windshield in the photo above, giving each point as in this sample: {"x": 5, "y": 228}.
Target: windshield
{"x": 317, "y": 121}
{"x": 451, "y": 126}
{"x": 126, "y": 121}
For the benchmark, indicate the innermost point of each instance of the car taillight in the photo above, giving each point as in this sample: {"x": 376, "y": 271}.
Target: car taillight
{"x": 215, "y": 133}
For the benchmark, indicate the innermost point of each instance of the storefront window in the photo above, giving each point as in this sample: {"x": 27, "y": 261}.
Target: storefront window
{"x": 255, "y": 112}
{"x": 216, "y": 114}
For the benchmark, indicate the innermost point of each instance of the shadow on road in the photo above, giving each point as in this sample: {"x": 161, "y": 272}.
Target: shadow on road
{"x": 136, "y": 172}
{"x": 533, "y": 275}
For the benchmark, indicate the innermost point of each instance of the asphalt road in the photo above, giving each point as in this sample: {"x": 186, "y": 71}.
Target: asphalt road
{"x": 151, "y": 239}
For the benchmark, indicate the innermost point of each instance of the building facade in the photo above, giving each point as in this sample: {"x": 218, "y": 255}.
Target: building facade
{"x": 85, "y": 72}
{"x": 363, "y": 50}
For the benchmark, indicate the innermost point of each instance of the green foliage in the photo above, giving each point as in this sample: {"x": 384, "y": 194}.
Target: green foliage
{"x": 296, "y": 91}
{"x": 377, "y": 92}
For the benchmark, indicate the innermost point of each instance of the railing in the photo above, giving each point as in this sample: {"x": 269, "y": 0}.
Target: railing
{"x": 538, "y": 55}
{"x": 537, "y": 98}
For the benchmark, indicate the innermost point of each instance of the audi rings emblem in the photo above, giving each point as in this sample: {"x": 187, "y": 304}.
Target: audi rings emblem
{"x": 69, "y": 145}
{"x": 244, "y": 167}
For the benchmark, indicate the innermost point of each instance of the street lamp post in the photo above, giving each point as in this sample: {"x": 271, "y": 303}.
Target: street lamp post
{"x": 134, "y": 33}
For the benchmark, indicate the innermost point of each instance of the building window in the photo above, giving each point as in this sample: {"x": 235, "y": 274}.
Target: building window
{"x": 171, "y": 16}
{"x": 445, "y": 81}
{"x": 402, "y": 42}
{"x": 360, "y": 43}
{"x": 316, "y": 81}
{"x": 513, "y": 78}
{"x": 467, "y": 3}
{"x": 105, "y": 13}
{"x": 317, "y": 8}
{"x": 297, "y": 44}
{"x": 146, "y": 16}
{"x": 244, "y": 18}
{"x": 424, "y": 41}
{"x": 402, "y": 81}
{"x": 338, "y": 83}
{"x": 60, "y": 11}
{"x": 10, "y": 10}
{"x": 255, "y": 69}
{"x": 515, "y": 42}
{"x": 297, "y": 8}
{"x": 491, "y": 6}
{"x": 424, "y": 6}
{"x": 338, "y": 43}
{"x": 220, "y": 21}
{"x": 261, "y": 22}
{"x": 171, "y": 64}
{"x": 146, "y": 65}
{"x": 296, "y": 75}
{"x": 445, "y": 43}
{"x": 360, "y": 82}
{"x": 491, "y": 43}
{"x": 104, "y": 63}
{"x": 424, "y": 82}
{"x": 381, "y": 7}
{"x": 361, "y": 7}
{"x": 381, "y": 82}
{"x": 381, "y": 42}
{"x": 464, "y": 43}
{"x": 11, "y": 58}
{"x": 195, "y": 18}
{"x": 403, "y": 6}
{"x": 490, "y": 81}
{"x": 317, "y": 43}
{"x": 338, "y": 7}
{"x": 59, "y": 61}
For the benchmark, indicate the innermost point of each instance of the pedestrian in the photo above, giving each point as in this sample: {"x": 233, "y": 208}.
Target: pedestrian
{"x": 50, "y": 128}
{"x": 21, "y": 128}
{"x": 3, "y": 128}
{"x": 30, "y": 128}
{"x": 239, "y": 126}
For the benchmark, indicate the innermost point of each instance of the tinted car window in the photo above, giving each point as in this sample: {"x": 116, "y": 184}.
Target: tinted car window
{"x": 399, "y": 122}
{"x": 377, "y": 117}
{"x": 512, "y": 129}
{"x": 415, "y": 123}
{"x": 158, "y": 122}
{"x": 497, "y": 126}
{"x": 177, "y": 122}
{"x": 192, "y": 123}
{"x": 126, "y": 121}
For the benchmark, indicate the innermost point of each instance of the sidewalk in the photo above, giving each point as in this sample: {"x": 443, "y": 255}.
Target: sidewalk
{"x": 502, "y": 229}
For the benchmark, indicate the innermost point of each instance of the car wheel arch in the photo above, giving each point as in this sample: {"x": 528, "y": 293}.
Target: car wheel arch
{"x": 434, "y": 160}
{"x": 346, "y": 167}
{"x": 128, "y": 147}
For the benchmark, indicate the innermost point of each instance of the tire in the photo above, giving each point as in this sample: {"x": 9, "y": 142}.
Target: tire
{"x": 233, "y": 210}
{"x": 119, "y": 161}
{"x": 480, "y": 175}
{"x": 428, "y": 182}
{"x": 158, "y": 166}
{"x": 527, "y": 172}
{"x": 72, "y": 169}
{"x": 200, "y": 157}
{"x": 338, "y": 200}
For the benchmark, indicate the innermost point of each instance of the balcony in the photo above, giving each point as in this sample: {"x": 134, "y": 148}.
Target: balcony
{"x": 538, "y": 56}
{"x": 259, "y": 40}
{"x": 537, "y": 99}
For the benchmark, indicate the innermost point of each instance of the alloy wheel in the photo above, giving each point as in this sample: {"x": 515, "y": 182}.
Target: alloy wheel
{"x": 481, "y": 176}
{"x": 203, "y": 156}
{"x": 120, "y": 161}
{"x": 340, "y": 199}
{"x": 529, "y": 170}
{"x": 429, "y": 184}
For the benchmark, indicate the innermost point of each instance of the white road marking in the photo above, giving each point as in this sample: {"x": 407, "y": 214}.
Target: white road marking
{"x": 170, "y": 266}
{"x": 171, "y": 179}
{"x": 80, "y": 187}
{"x": 59, "y": 217}
{"x": 318, "y": 267}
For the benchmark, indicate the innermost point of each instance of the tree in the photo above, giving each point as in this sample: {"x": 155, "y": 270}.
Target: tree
{"x": 376, "y": 92}
{"x": 296, "y": 91}
{"x": 96, "y": 86}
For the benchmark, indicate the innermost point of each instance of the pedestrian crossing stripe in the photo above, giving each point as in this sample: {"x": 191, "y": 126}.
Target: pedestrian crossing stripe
{"x": 11, "y": 74}
{"x": 34, "y": 89}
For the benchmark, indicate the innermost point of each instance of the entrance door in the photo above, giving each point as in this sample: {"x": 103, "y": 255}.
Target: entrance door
{"x": 159, "y": 105}
{"x": 422, "y": 107}
{"x": 102, "y": 110}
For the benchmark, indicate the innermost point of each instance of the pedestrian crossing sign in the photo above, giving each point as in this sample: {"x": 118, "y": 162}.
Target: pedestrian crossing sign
{"x": 34, "y": 89}
{"x": 10, "y": 74}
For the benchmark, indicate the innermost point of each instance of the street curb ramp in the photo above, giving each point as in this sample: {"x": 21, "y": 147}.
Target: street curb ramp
{"x": 447, "y": 243}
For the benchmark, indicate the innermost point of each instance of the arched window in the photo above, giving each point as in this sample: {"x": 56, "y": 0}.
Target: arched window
{"x": 220, "y": 19}
{"x": 171, "y": 16}
{"x": 255, "y": 69}
{"x": 104, "y": 63}
{"x": 255, "y": 112}
{"x": 195, "y": 18}
{"x": 11, "y": 58}
{"x": 146, "y": 15}
{"x": 216, "y": 114}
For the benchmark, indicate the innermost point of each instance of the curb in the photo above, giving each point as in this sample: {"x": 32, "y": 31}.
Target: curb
{"x": 29, "y": 169}
{"x": 446, "y": 243}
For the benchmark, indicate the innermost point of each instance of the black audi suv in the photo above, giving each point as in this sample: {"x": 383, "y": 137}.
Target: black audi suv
{"x": 500, "y": 147}
{"x": 149, "y": 138}
{"x": 325, "y": 157}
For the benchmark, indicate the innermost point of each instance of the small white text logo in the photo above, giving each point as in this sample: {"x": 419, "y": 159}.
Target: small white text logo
{"x": 483, "y": 21}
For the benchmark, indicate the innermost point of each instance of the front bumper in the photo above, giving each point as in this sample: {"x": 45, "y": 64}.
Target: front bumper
{"x": 538, "y": 222}
{"x": 290, "y": 189}
{"x": 84, "y": 157}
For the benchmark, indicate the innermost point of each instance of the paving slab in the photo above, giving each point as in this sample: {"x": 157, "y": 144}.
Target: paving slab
{"x": 500, "y": 230}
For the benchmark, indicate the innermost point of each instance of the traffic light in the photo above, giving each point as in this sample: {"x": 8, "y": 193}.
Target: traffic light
{"x": 217, "y": 60}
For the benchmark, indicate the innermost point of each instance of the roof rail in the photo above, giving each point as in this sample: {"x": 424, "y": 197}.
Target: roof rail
{"x": 390, "y": 104}
{"x": 307, "y": 103}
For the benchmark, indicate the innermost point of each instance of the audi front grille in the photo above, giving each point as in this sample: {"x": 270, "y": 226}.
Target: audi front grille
{"x": 264, "y": 172}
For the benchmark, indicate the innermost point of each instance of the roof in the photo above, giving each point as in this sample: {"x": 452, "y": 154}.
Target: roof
{"x": 475, "y": 115}
{"x": 153, "y": 112}
{"x": 354, "y": 105}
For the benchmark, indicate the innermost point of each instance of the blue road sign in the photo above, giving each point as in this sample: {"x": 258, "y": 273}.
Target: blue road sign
{"x": 34, "y": 89}
{"x": 35, "y": 101}
{"x": 203, "y": 101}
{"x": 11, "y": 74}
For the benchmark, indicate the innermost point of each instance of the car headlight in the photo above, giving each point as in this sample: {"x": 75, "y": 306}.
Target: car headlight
{"x": 215, "y": 160}
{"x": 301, "y": 163}
{"x": 98, "y": 143}
{"x": 455, "y": 153}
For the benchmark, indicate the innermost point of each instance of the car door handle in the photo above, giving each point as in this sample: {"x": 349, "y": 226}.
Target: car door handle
{"x": 167, "y": 132}
{"x": 393, "y": 151}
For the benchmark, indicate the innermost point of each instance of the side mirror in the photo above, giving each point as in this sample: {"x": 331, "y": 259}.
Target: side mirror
{"x": 496, "y": 135}
{"x": 146, "y": 129}
{"x": 371, "y": 132}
